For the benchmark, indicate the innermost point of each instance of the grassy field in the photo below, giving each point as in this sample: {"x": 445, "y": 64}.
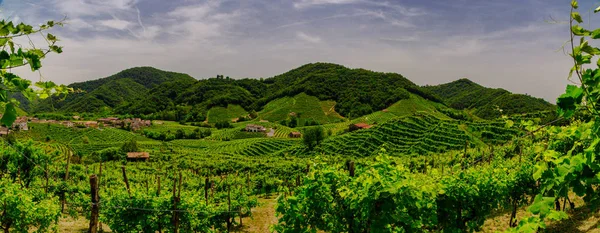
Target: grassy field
{"x": 217, "y": 114}
{"x": 306, "y": 108}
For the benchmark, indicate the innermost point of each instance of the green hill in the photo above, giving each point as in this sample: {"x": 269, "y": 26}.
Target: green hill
{"x": 419, "y": 133}
{"x": 303, "y": 106}
{"x": 124, "y": 87}
{"x": 228, "y": 113}
{"x": 484, "y": 102}
{"x": 357, "y": 92}
{"x": 320, "y": 92}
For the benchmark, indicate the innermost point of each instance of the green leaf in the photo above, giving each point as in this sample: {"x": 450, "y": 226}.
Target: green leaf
{"x": 576, "y": 16}
{"x": 580, "y": 31}
{"x": 557, "y": 215}
{"x": 596, "y": 34}
{"x": 542, "y": 205}
{"x": 53, "y": 38}
{"x": 574, "y": 4}
{"x": 3, "y": 96}
{"x": 10, "y": 115}
{"x": 567, "y": 103}
{"x": 509, "y": 123}
{"x": 597, "y": 9}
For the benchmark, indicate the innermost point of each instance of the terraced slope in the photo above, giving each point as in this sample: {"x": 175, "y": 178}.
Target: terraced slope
{"x": 81, "y": 141}
{"x": 304, "y": 106}
{"x": 232, "y": 111}
{"x": 245, "y": 147}
{"x": 420, "y": 134}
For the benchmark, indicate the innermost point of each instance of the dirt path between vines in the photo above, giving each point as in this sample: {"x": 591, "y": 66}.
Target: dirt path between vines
{"x": 263, "y": 217}
{"x": 582, "y": 219}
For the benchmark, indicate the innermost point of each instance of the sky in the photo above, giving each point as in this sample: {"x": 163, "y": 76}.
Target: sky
{"x": 510, "y": 44}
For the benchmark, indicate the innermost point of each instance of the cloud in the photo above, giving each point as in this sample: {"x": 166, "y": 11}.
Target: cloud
{"x": 429, "y": 42}
{"x": 308, "y": 3}
{"x": 115, "y": 24}
{"x": 305, "y": 37}
{"x": 401, "y": 39}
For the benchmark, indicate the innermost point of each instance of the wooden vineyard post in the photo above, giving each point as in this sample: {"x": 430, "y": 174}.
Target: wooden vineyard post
{"x": 442, "y": 169}
{"x": 95, "y": 199}
{"x": 100, "y": 172}
{"x": 248, "y": 181}
{"x": 46, "y": 187}
{"x": 64, "y": 198}
{"x": 285, "y": 193}
{"x": 229, "y": 206}
{"x": 175, "y": 200}
{"x": 466, "y": 146}
{"x": 158, "y": 182}
{"x": 240, "y": 210}
{"x": 491, "y": 155}
{"x": 206, "y": 184}
{"x": 520, "y": 150}
{"x": 351, "y": 170}
{"x": 212, "y": 189}
{"x": 126, "y": 180}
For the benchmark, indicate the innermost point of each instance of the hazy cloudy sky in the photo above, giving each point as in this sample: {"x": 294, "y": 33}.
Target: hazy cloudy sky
{"x": 500, "y": 43}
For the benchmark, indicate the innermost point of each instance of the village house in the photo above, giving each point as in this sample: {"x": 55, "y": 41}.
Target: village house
{"x": 255, "y": 128}
{"x": 91, "y": 124}
{"x": 134, "y": 124}
{"x": 68, "y": 124}
{"x": 295, "y": 135}
{"x": 358, "y": 126}
{"x": 20, "y": 124}
{"x": 4, "y": 131}
{"x": 138, "y": 156}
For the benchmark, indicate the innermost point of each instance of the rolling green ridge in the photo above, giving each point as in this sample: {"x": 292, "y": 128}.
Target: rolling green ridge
{"x": 321, "y": 92}
{"x": 305, "y": 108}
{"x": 113, "y": 91}
{"x": 484, "y": 102}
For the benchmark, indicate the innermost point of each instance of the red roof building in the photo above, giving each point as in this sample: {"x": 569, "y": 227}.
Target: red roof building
{"x": 138, "y": 156}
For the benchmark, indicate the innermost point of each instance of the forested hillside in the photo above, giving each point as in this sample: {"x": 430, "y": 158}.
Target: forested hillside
{"x": 350, "y": 93}
{"x": 485, "y": 102}
{"x": 122, "y": 88}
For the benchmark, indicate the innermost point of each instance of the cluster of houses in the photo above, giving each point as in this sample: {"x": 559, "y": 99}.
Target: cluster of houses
{"x": 21, "y": 123}
{"x": 135, "y": 123}
{"x": 262, "y": 129}
{"x": 255, "y": 128}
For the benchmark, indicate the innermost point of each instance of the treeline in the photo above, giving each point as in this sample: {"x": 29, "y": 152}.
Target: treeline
{"x": 197, "y": 133}
{"x": 487, "y": 103}
{"x": 154, "y": 94}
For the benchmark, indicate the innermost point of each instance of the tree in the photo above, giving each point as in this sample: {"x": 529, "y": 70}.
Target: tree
{"x": 130, "y": 146}
{"x": 222, "y": 125}
{"x": 179, "y": 134}
{"x": 293, "y": 122}
{"x": 312, "y": 137}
